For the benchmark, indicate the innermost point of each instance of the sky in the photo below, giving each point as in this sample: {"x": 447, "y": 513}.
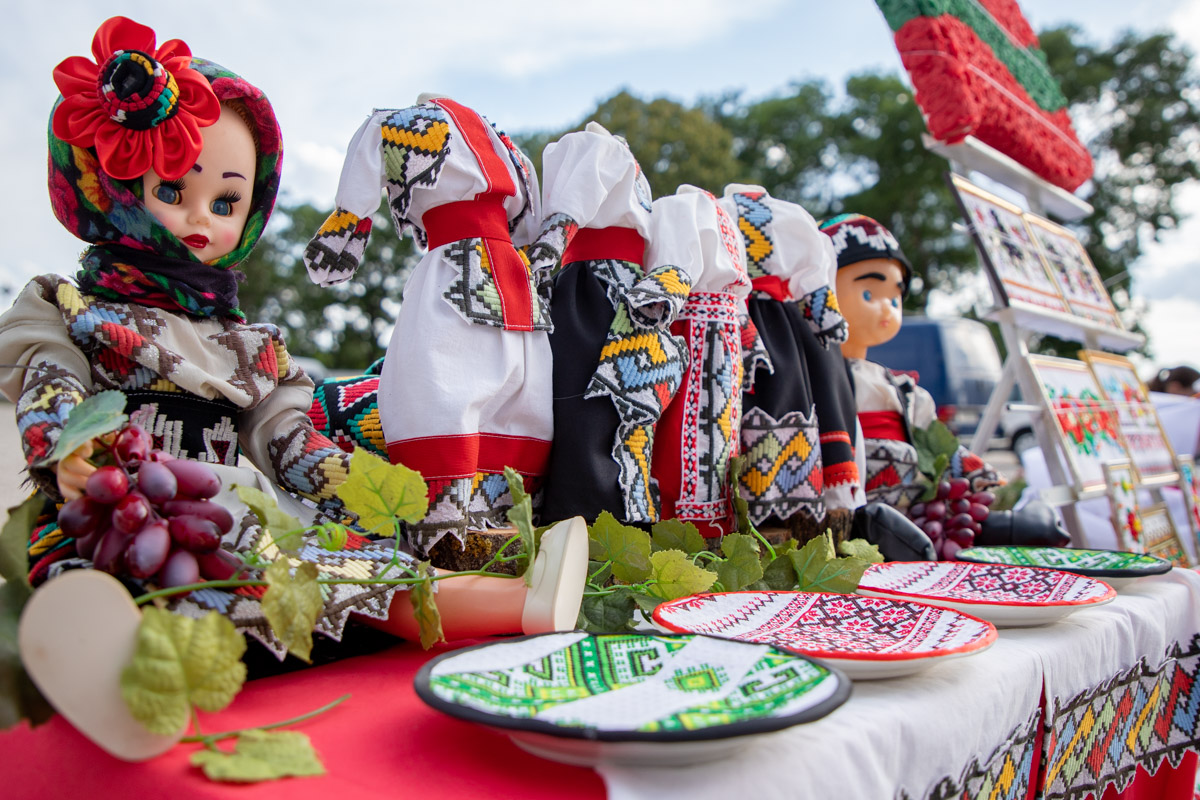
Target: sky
{"x": 528, "y": 65}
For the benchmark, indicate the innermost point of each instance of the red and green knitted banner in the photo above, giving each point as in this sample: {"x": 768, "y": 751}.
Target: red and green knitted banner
{"x": 977, "y": 70}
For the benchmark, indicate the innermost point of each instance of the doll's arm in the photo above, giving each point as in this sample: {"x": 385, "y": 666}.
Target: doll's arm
{"x": 546, "y": 252}
{"x": 53, "y": 379}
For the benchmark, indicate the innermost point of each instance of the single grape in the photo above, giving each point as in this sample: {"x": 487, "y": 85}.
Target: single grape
{"x": 976, "y": 528}
{"x": 148, "y": 550}
{"x": 156, "y": 482}
{"x": 984, "y": 498}
{"x": 961, "y": 536}
{"x": 131, "y": 512}
{"x": 960, "y": 506}
{"x": 950, "y": 550}
{"x": 85, "y": 545}
{"x": 219, "y": 565}
{"x": 133, "y": 443}
{"x": 978, "y": 512}
{"x": 943, "y": 490}
{"x": 194, "y": 533}
{"x": 180, "y": 569}
{"x": 81, "y": 516}
{"x": 205, "y": 509}
{"x": 196, "y": 480}
{"x": 960, "y": 521}
{"x": 160, "y": 456}
{"x": 916, "y": 510}
{"x": 959, "y": 488}
{"x": 110, "y": 552}
{"x": 935, "y": 510}
{"x": 107, "y": 485}
{"x": 933, "y": 529}
{"x": 918, "y": 521}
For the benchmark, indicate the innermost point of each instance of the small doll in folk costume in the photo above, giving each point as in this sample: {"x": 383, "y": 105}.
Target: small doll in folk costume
{"x": 698, "y": 432}
{"x": 465, "y": 389}
{"x": 872, "y": 281}
{"x": 616, "y": 364}
{"x": 168, "y": 167}
{"x": 798, "y": 413}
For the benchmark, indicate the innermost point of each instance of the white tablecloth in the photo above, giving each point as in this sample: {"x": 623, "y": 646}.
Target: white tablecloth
{"x": 907, "y": 737}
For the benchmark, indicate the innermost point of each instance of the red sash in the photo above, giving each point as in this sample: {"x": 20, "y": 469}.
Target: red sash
{"x": 883, "y": 425}
{"x": 596, "y": 244}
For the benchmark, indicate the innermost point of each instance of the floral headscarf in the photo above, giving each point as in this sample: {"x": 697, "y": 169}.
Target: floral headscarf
{"x": 133, "y": 256}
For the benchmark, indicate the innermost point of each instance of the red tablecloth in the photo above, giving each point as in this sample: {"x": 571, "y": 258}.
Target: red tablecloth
{"x": 382, "y": 742}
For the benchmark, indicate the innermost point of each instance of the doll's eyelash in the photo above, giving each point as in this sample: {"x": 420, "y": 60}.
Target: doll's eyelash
{"x": 178, "y": 184}
{"x": 230, "y": 197}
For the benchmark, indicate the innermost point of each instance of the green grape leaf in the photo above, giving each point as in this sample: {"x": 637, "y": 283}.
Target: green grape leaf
{"x": 740, "y": 567}
{"x": 425, "y": 609}
{"x": 521, "y": 516}
{"x": 14, "y": 542}
{"x": 862, "y": 550}
{"x": 598, "y": 573}
{"x": 930, "y": 443}
{"x": 98, "y": 414}
{"x": 19, "y": 698}
{"x": 647, "y": 603}
{"x": 180, "y": 662}
{"x": 607, "y": 613}
{"x": 627, "y": 548}
{"x": 380, "y": 493}
{"x": 676, "y": 576}
{"x": 1008, "y": 494}
{"x": 675, "y": 534}
{"x": 820, "y": 570}
{"x": 286, "y": 530}
{"x": 291, "y": 605}
{"x": 261, "y": 756}
{"x": 780, "y": 574}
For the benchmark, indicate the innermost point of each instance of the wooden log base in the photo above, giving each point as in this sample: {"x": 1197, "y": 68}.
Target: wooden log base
{"x": 478, "y": 549}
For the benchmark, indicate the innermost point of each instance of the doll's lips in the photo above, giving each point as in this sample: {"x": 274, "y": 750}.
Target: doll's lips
{"x": 196, "y": 241}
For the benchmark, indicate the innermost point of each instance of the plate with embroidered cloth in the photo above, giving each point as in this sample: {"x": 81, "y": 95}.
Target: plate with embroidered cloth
{"x": 1006, "y": 596}
{"x": 865, "y": 637}
{"x": 633, "y": 699}
{"x": 1113, "y": 566}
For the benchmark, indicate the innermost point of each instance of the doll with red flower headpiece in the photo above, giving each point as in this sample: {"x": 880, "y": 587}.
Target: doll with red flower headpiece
{"x": 168, "y": 167}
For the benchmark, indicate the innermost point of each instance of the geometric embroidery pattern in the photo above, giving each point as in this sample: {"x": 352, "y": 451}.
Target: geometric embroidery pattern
{"x": 640, "y": 369}
{"x": 891, "y": 472}
{"x": 1004, "y": 775}
{"x": 712, "y": 407}
{"x": 1140, "y": 717}
{"x": 415, "y": 146}
{"x": 1066, "y": 558}
{"x": 752, "y": 220}
{"x": 832, "y": 625}
{"x": 631, "y": 682}
{"x": 783, "y": 473}
{"x": 989, "y": 583}
{"x": 346, "y": 410}
{"x": 823, "y": 315}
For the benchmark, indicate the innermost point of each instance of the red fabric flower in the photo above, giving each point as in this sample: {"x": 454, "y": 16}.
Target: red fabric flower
{"x": 140, "y": 107}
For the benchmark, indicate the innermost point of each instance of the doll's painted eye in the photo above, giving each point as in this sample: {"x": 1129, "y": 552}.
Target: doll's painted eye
{"x": 223, "y": 205}
{"x": 867, "y": 295}
{"x": 895, "y": 302}
{"x": 168, "y": 193}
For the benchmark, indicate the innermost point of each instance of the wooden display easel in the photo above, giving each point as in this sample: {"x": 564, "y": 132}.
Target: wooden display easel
{"x": 1018, "y": 325}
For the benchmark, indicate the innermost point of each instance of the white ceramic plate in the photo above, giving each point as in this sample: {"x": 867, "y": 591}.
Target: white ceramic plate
{"x": 630, "y": 698}
{"x": 865, "y": 637}
{"x": 1006, "y": 596}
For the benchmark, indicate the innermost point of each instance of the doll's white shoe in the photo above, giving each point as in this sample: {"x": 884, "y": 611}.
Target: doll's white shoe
{"x": 559, "y": 575}
{"x": 77, "y": 633}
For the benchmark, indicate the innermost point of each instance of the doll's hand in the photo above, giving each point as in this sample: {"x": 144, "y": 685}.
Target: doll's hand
{"x": 74, "y": 470}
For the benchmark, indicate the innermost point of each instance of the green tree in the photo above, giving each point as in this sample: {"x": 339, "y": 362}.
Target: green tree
{"x": 344, "y": 326}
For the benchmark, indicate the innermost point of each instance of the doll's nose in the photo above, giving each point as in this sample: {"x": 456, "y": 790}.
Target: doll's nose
{"x": 199, "y": 215}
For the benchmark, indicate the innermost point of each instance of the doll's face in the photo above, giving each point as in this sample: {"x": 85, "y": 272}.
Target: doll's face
{"x": 870, "y": 295}
{"x": 207, "y": 208}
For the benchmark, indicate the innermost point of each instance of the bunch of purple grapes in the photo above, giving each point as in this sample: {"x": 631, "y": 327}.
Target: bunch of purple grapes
{"x": 954, "y": 518}
{"x": 150, "y": 516}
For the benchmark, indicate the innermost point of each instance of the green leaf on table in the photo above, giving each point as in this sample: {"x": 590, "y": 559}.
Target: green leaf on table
{"x": 521, "y": 516}
{"x": 380, "y": 493}
{"x": 676, "y": 576}
{"x": 261, "y": 756}
{"x": 598, "y": 573}
{"x": 286, "y": 530}
{"x": 626, "y": 547}
{"x": 931, "y": 442}
{"x": 291, "y": 604}
{"x": 19, "y": 698}
{"x": 607, "y": 613}
{"x": 425, "y": 609}
{"x": 861, "y": 549}
{"x": 741, "y": 566}
{"x": 780, "y": 574}
{"x": 1008, "y": 494}
{"x": 818, "y": 569}
{"x": 98, "y": 414}
{"x": 180, "y": 662}
{"x": 741, "y": 507}
{"x": 14, "y": 542}
{"x": 675, "y": 534}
